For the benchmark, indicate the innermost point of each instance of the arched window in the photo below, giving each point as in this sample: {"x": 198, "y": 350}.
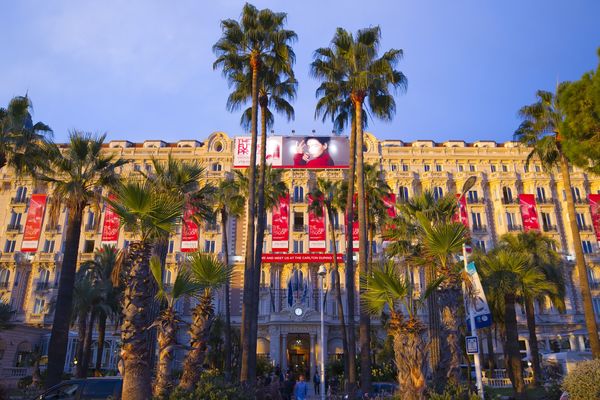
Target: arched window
{"x": 298, "y": 194}
{"x": 217, "y": 167}
{"x": 438, "y": 192}
{"x": 403, "y": 194}
{"x": 576, "y": 194}
{"x": 506, "y": 195}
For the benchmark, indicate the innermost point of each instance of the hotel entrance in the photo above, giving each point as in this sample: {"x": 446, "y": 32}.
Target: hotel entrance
{"x": 298, "y": 353}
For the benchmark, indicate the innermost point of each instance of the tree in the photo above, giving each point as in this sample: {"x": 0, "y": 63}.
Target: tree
{"x": 85, "y": 294}
{"x": 246, "y": 47}
{"x": 543, "y": 258}
{"x": 210, "y": 274}
{"x": 580, "y": 101}
{"x": 388, "y": 288}
{"x": 227, "y": 202}
{"x": 77, "y": 173}
{"x": 354, "y": 63}
{"x": 541, "y": 130}
{"x": 6, "y": 315}
{"x": 376, "y": 189}
{"x": 21, "y": 141}
{"x": 168, "y": 322}
{"x": 99, "y": 270}
{"x": 150, "y": 214}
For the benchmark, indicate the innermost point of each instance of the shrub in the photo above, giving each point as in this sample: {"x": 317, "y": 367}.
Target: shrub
{"x": 583, "y": 383}
{"x": 213, "y": 386}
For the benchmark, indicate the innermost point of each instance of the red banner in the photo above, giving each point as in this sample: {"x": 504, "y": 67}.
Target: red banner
{"x": 317, "y": 236}
{"x": 33, "y": 225}
{"x": 389, "y": 202}
{"x": 595, "y": 210}
{"x": 112, "y": 223}
{"x": 300, "y": 258}
{"x": 280, "y": 223}
{"x": 461, "y": 213}
{"x": 189, "y": 231}
{"x": 529, "y": 212}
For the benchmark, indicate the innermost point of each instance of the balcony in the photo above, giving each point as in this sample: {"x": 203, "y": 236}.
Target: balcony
{"x": 585, "y": 228}
{"x": 42, "y": 286}
{"x": 298, "y": 200}
{"x": 515, "y": 228}
{"x": 52, "y": 229}
{"x": 13, "y": 228}
{"x": 214, "y": 228}
{"x": 89, "y": 227}
{"x": 480, "y": 229}
{"x": 549, "y": 228}
{"x": 475, "y": 201}
{"x": 48, "y": 256}
{"x": 299, "y": 228}
{"x": 544, "y": 201}
{"x": 15, "y": 201}
{"x": 510, "y": 201}
{"x": 580, "y": 201}
{"x": 4, "y": 285}
{"x": 594, "y": 285}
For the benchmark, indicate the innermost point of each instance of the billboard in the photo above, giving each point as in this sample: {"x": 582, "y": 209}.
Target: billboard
{"x": 300, "y": 258}
{"x": 296, "y": 151}
{"x": 316, "y": 228}
{"x": 280, "y": 222}
{"x": 461, "y": 213}
{"x": 33, "y": 225}
{"x": 189, "y": 231}
{"x": 595, "y": 211}
{"x": 389, "y": 202}
{"x": 529, "y": 212}
{"x": 112, "y": 223}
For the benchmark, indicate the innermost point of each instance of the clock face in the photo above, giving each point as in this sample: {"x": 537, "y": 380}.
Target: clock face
{"x": 298, "y": 311}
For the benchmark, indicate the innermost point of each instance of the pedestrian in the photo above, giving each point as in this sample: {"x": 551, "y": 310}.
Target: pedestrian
{"x": 317, "y": 381}
{"x": 288, "y": 387}
{"x": 301, "y": 389}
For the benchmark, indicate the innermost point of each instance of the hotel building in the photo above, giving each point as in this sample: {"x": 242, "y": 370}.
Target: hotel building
{"x": 289, "y": 319}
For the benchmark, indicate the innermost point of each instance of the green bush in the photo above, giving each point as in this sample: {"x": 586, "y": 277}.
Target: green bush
{"x": 583, "y": 383}
{"x": 213, "y": 386}
{"x": 454, "y": 392}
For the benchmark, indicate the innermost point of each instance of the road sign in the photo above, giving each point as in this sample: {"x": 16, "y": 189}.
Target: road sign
{"x": 472, "y": 345}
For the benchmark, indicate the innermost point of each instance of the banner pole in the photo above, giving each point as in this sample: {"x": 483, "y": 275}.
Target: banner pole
{"x": 473, "y": 330}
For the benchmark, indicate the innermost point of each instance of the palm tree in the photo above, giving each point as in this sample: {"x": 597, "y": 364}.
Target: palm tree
{"x": 6, "y": 315}
{"x": 505, "y": 274}
{"x": 543, "y": 258}
{"x": 256, "y": 42}
{"x": 85, "y": 294}
{"x": 209, "y": 273}
{"x": 78, "y": 173}
{"x": 325, "y": 195}
{"x": 150, "y": 214}
{"x": 227, "y": 202}
{"x": 376, "y": 189}
{"x": 541, "y": 129}
{"x": 99, "y": 270}
{"x": 168, "y": 323}
{"x": 359, "y": 72}
{"x": 388, "y": 288}
{"x": 20, "y": 138}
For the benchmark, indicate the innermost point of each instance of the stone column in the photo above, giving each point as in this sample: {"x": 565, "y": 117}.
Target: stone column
{"x": 283, "y": 352}
{"x": 572, "y": 342}
{"x": 274, "y": 351}
{"x": 581, "y": 342}
{"x": 313, "y": 358}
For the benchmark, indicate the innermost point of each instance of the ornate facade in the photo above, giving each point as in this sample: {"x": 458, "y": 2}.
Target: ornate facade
{"x": 289, "y": 309}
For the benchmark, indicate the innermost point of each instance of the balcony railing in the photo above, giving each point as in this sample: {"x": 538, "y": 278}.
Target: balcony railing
{"x": 594, "y": 285}
{"x": 580, "y": 201}
{"x": 52, "y": 229}
{"x": 19, "y": 200}
{"x": 13, "y": 228}
{"x": 212, "y": 228}
{"x": 4, "y": 285}
{"x": 545, "y": 200}
{"x": 298, "y": 200}
{"x": 549, "y": 228}
{"x": 514, "y": 228}
{"x": 42, "y": 286}
{"x": 585, "y": 228}
{"x": 90, "y": 227}
{"x": 479, "y": 229}
{"x": 508, "y": 201}
{"x": 299, "y": 228}
{"x": 475, "y": 201}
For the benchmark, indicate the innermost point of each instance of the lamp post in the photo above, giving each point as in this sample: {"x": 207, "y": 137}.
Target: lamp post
{"x": 469, "y": 183}
{"x": 322, "y": 272}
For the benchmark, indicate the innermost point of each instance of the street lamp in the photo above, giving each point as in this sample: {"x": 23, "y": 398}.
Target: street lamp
{"x": 469, "y": 183}
{"x": 322, "y": 272}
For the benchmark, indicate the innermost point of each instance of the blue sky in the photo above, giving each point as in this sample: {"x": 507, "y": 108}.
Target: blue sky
{"x": 142, "y": 69}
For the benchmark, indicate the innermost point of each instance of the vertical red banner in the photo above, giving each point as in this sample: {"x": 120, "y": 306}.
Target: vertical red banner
{"x": 317, "y": 236}
{"x": 595, "y": 211}
{"x": 461, "y": 214}
{"x": 111, "y": 225}
{"x": 529, "y": 212}
{"x": 33, "y": 225}
{"x": 280, "y": 223}
{"x": 189, "y": 231}
{"x": 389, "y": 203}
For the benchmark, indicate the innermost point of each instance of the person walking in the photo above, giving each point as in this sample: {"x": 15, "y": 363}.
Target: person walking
{"x": 288, "y": 387}
{"x": 301, "y": 389}
{"x": 317, "y": 381}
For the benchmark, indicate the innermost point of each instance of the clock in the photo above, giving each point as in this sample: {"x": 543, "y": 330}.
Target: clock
{"x": 298, "y": 311}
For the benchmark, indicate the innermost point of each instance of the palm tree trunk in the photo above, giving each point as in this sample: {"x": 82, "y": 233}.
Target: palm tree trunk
{"x": 350, "y": 287}
{"x": 434, "y": 330}
{"x": 202, "y": 319}
{"x": 491, "y": 355}
{"x": 338, "y": 293}
{"x": 248, "y": 370}
{"x": 167, "y": 340}
{"x": 59, "y": 338}
{"x": 513, "y": 364}
{"x": 584, "y": 284}
{"x": 160, "y": 249}
{"x": 87, "y": 346}
{"x": 260, "y": 226}
{"x": 100, "y": 347}
{"x": 227, "y": 344}
{"x": 365, "y": 319}
{"x": 533, "y": 343}
{"x": 410, "y": 356}
{"x": 81, "y": 335}
{"x": 136, "y": 314}
{"x": 450, "y": 304}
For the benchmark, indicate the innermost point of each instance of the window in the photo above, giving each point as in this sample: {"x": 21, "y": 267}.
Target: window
{"x": 405, "y": 167}
{"x": 541, "y": 194}
{"x": 472, "y": 196}
{"x": 171, "y": 246}
{"x": 209, "y": 246}
{"x": 525, "y": 168}
{"x": 510, "y": 220}
{"x": 538, "y": 168}
{"x": 136, "y": 167}
{"x": 168, "y": 276}
{"x": 546, "y": 222}
{"x": 596, "y": 301}
{"x": 480, "y": 244}
{"x": 504, "y": 168}
{"x": 426, "y": 168}
{"x": 438, "y": 193}
{"x": 336, "y": 220}
{"x": 125, "y": 244}
{"x": 298, "y": 221}
{"x": 15, "y": 220}
{"x": 460, "y": 168}
{"x": 373, "y": 247}
{"x": 439, "y": 168}
{"x": 21, "y": 194}
{"x": 493, "y": 168}
{"x": 44, "y": 276}
{"x": 88, "y": 246}
{"x": 587, "y": 247}
{"x": 576, "y": 194}
{"x": 506, "y": 195}
{"x": 9, "y": 246}
{"x": 298, "y": 246}
{"x": 298, "y": 194}
{"x": 90, "y": 217}
{"x": 393, "y": 167}
{"x": 38, "y": 305}
{"x": 580, "y": 220}
{"x": 217, "y": 167}
{"x": 4, "y": 277}
{"x": 403, "y": 194}
{"x": 471, "y": 168}
{"x": 476, "y": 219}
{"x": 48, "y": 246}
{"x": 337, "y": 246}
